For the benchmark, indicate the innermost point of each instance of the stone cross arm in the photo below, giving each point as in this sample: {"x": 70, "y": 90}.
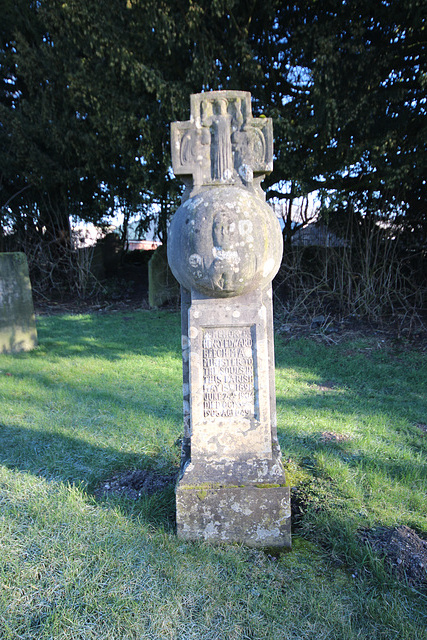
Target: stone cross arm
{"x": 222, "y": 143}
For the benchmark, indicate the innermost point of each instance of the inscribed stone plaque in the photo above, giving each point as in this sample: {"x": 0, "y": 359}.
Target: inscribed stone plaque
{"x": 230, "y": 404}
{"x": 228, "y": 373}
{"x": 17, "y": 322}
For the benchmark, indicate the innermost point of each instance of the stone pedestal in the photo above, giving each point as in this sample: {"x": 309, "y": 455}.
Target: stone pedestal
{"x": 254, "y": 514}
{"x": 225, "y": 247}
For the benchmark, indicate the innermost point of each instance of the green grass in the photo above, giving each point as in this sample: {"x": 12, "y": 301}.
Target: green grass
{"x": 103, "y": 393}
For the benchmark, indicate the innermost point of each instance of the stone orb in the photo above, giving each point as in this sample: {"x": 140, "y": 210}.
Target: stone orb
{"x": 224, "y": 241}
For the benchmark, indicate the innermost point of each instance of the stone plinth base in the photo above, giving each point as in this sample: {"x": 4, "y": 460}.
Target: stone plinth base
{"x": 232, "y": 509}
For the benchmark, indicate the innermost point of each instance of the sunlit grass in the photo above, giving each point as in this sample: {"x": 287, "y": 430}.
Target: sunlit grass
{"x": 102, "y": 393}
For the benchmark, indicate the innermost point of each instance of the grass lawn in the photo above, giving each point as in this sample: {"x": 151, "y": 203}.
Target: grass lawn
{"x": 102, "y": 393}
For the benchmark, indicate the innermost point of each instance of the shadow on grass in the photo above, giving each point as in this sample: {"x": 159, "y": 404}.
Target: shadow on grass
{"x": 375, "y": 393}
{"x": 147, "y": 398}
{"x": 97, "y": 402}
{"x": 63, "y": 459}
{"x": 352, "y": 451}
{"x": 112, "y": 336}
{"x": 153, "y": 334}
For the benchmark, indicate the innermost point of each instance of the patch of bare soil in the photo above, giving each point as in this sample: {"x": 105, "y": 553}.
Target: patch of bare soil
{"x": 120, "y": 296}
{"x": 129, "y": 292}
{"x": 396, "y": 334}
{"x": 331, "y": 436}
{"x": 404, "y": 551}
{"x": 135, "y": 483}
{"x": 79, "y": 306}
{"x": 324, "y": 386}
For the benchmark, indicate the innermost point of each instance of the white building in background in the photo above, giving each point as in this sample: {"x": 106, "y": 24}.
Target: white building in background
{"x": 309, "y": 231}
{"x": 142, "y": 245}
{"x": 134, "y": 243}
{"x": 86, "y": 235}
{"x": 315, "y": 234}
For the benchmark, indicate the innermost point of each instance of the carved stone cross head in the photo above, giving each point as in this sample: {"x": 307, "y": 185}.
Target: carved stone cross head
{"x": 222, "y": 143}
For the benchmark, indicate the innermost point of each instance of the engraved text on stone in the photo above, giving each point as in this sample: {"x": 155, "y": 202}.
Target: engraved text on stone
{"x": 228, "y": 373}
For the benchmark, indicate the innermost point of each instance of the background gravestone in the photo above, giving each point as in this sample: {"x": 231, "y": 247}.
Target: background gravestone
{"x": 162, "y": 286}
{"x": 225, "y": 247}
{"x": 17, "y": 321}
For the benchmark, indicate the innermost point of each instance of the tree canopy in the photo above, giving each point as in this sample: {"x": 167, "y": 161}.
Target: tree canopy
{"x": 366, "y": 81}
{"x": 88, "y": 90}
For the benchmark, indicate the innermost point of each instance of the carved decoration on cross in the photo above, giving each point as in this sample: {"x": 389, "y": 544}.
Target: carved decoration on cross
{"x": 222, "y": 143}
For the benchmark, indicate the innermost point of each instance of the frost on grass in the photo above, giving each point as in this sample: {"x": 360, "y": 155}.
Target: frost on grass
{"x": 404, "y": 551}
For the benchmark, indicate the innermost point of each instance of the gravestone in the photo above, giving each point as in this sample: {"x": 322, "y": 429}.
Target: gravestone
{"x": 17, "y": 322}
{"x": 162, "y": 286}
{"x": 225, "y": 247}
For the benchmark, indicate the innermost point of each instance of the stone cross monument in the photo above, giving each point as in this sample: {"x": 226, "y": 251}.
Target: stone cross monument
{"x": 224, "y": 248}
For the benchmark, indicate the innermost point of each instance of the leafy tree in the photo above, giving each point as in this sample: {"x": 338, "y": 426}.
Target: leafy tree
{"x": 88, "y": 92}
{"x": 358, "y": 103}
{"x": 88, "y": 89}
